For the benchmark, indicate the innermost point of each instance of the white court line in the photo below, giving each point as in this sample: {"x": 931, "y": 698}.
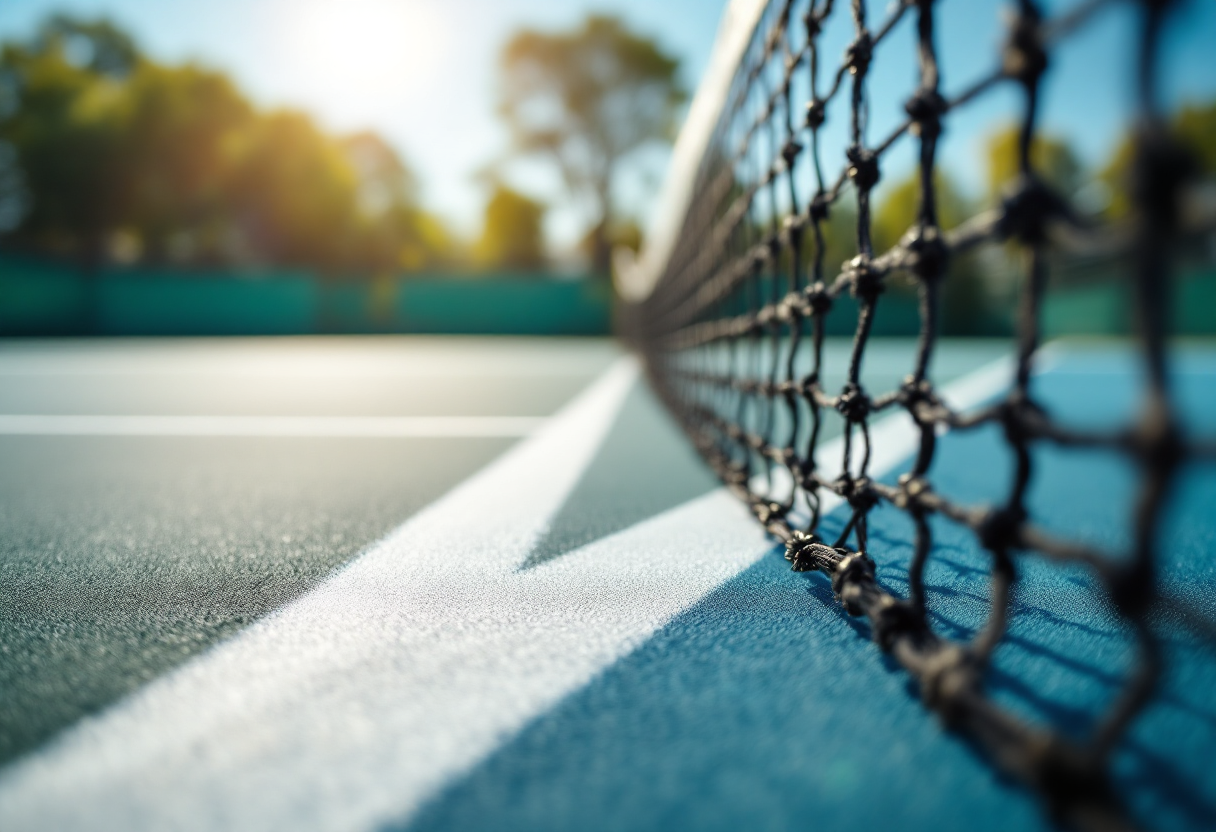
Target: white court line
{"x": 351, "y": 706}
{"x": 312, "y": 370}
{"x": 307, "y": 426}
{"x": 305, "y": 363}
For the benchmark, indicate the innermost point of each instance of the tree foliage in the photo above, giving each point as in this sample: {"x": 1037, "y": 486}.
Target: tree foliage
{"x": 105, "y": 144}
{"x": 1052, "y": 158}
{"x": 587, "y": 100}
{"x": 1195, "y": 125}
{"x": 512, "y": 236}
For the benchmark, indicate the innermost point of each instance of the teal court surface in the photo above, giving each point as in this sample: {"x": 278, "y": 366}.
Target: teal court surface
{"x": 408, "y": 584}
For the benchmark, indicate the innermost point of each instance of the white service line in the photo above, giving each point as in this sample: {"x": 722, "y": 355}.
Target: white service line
{"x": 351, "y": 706}
{"x": 297, "y": 361}
{"x": 307, "y": 426}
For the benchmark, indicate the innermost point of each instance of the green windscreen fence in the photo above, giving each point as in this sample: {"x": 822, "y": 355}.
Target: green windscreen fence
{"x": 39, "y": 297}
{"x": 43, "y": 298}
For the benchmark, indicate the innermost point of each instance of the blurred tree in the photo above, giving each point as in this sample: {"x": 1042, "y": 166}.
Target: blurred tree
{"x": 183, "y": 127}
{"x": 103, "y": 150}
{"x": 296, "y": 193}
{"x": 587, "y": 99}
{"x": 393, "y": 233}
{"x": 1196, "y": 127}
{"x": 512, "y": 236}
{"x": 97, "y": 46}
{"x": 66, "y": 124}
{"x": 384, "y": 180}
{"x": 1052, "y": 157}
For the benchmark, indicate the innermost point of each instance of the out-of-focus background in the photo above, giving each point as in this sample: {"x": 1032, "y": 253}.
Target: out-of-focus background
{"x": 416, "y": 166}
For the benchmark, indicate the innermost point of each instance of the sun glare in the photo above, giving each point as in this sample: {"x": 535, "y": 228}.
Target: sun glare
{"x": 360, "y": 54}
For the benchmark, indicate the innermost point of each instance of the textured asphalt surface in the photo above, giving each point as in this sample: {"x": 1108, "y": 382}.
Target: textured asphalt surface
{"x": 121, "y": 557}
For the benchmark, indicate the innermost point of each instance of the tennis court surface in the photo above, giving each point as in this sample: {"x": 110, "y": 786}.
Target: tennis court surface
{"x": 487, "y": 584}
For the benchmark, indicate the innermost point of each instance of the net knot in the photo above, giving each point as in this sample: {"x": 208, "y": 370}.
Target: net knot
{"x": 893, "y": 619}
{"x": 1024, "y": 57}
{"x": 928, "y": 250}
{"x": 926, "y": 108}
{"x": 790, "y": 152}
{"x": 767, "y": 512}
{"x": 849, "y": 574}
{"x": 818, "y": 209}
{"x": 814, "y": 23}
{"x": 859, "y": 54}
{"x": 818, "y": 299}
{"x": 1001, "y": 528}
{"x": 816, "y": 113}
{"x": 917, "y": 394}
{"x": 853, "y": 403}
{"x": 1028, "y": 207}
{"x": 863, "y": 167}
{"x": 858, "y": 492}
{"x": 912, "y": 490}
{"x": 864, "y": 278}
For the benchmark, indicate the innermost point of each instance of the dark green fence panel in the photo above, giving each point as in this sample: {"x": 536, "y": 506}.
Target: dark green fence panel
{"x": 1195, "y": 305}
{"x": 1106, "y": 308}
{"x": 504, "y": 306}
{"x": 147, "y": 303}
{"x": 344, "y": 308}
{"x": 38, "y": 298}
{"x": 1088, "y": 310}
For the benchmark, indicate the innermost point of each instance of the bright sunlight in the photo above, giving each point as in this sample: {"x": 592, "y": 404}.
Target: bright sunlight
{"x": 360, "y": 53}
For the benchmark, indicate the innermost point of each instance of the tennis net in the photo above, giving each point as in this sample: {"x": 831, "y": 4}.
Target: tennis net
{"x": 731, "y": 321}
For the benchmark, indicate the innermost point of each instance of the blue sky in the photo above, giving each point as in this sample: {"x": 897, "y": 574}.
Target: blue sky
{"x": 436, "y": 59}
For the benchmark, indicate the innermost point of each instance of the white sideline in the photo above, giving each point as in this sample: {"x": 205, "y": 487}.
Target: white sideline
{"x": 307, "y": 426}
{"x": 351, "y": 706}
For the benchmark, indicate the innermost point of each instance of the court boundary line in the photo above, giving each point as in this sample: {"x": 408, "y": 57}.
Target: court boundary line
{"x": 372, "y": 427}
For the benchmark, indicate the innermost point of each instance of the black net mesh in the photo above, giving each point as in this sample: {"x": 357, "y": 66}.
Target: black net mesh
{"x": 733, "y": 337}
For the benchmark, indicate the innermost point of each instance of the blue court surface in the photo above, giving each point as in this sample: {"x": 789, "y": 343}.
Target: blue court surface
{"x": 426, "y": 584}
